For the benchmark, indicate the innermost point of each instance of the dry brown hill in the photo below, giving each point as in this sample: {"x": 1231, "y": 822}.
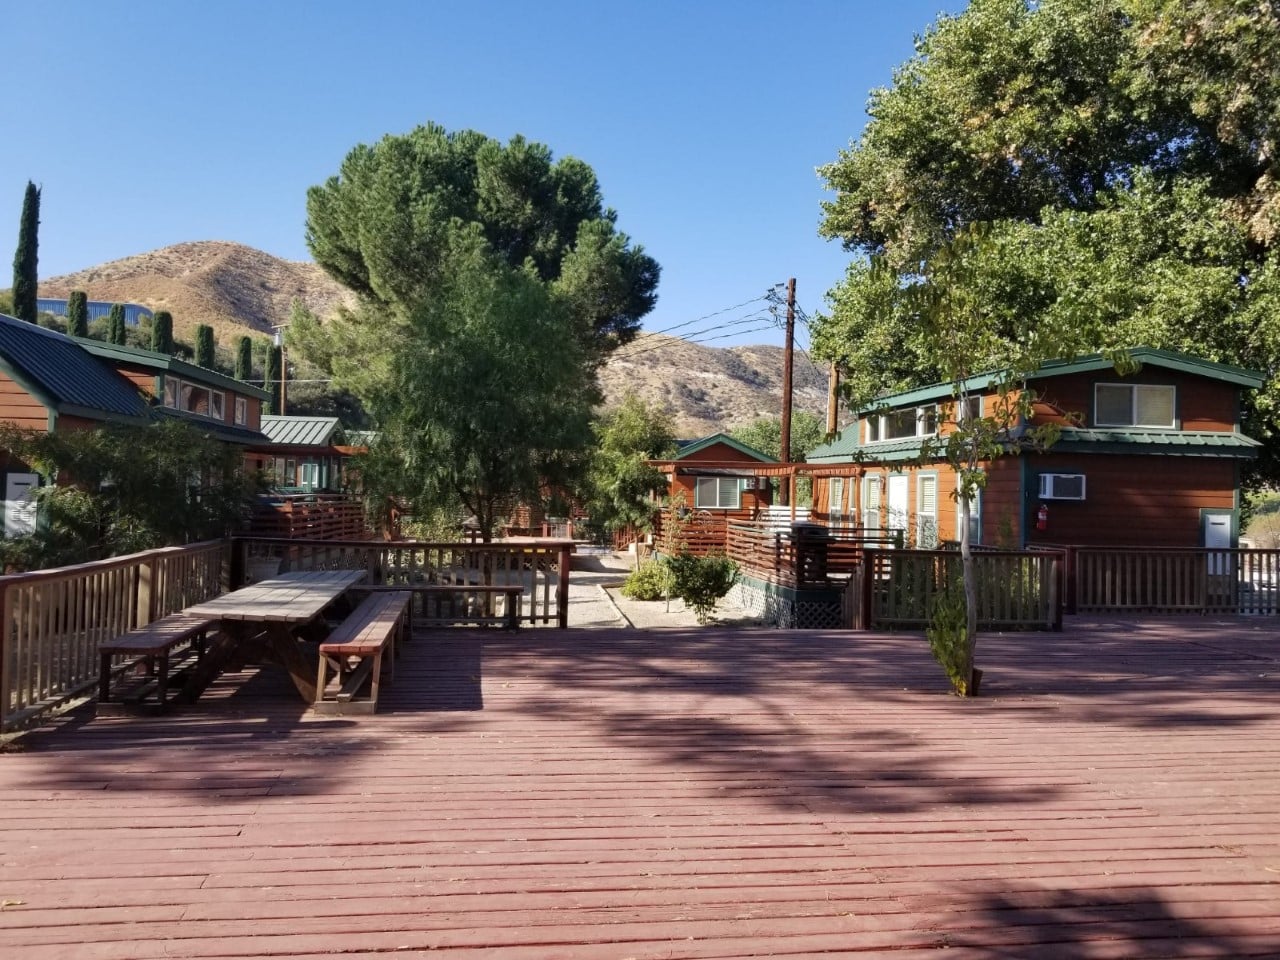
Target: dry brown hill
{"x": 232, "y": 287}
{"x": 226, "y": 285}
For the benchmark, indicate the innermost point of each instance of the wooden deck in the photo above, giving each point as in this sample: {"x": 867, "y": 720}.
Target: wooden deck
{"x": 614, "y": 794}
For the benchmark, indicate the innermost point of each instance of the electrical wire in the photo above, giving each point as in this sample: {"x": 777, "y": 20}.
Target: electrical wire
{"x": 692, "y": 337}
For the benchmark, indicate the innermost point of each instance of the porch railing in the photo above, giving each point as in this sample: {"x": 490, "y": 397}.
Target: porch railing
{"x": 541, "y": 567}
{"x": 1014, "y": 590}
{"x": 1170, "y": 580}
{"x": 310, "y": 517}
{"x": 52, "y": 620}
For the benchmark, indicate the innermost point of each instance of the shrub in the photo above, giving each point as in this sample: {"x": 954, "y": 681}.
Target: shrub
{"x": 651, "y": 580}
{"x": 948, "y": 636}
{"x": 701, "y": 581}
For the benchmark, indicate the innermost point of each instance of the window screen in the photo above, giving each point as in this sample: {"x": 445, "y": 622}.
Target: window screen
{"x": 717, "y": 493}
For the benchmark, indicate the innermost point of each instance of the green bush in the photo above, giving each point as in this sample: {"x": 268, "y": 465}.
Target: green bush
{"x": 948, "y": 636}
{"x": 651, "y": 580}
{"x": 701, "y": 581}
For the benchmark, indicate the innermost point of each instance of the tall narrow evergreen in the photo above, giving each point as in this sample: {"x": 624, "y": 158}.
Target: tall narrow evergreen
{"x": 244, "y": 359}
{"x": 78, "y": 314}
{"x": 24, "y": 259}
{"x": 115, "y": 324}
{"x": 272, "y": 386}
{"x": 162, "y": 332}
{"x": 204, "y": 346}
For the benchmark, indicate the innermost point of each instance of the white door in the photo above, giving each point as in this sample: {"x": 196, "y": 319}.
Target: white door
{"x": 20, "y": 504}
{"x": 897, "y": 519}
{"x": 1217, "y": 536}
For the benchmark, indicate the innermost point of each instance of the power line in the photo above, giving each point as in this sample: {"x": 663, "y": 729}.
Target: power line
{"x": 714, "y": 313}
{"x": 643, "y": 347}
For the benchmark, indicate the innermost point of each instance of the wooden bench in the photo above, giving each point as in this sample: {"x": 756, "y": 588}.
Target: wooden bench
{"x": 154, "y": 645}
{"x": 448, "y": 603}
{"x": 354, "y": 652}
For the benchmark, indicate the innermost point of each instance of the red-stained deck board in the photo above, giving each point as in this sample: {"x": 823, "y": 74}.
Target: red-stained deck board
{"x": 699, "y": 794}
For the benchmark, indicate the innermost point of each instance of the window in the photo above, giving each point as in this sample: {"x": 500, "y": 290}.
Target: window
{"x": 718, "y": 493}
{"x": 975, "y": 515}
{"x": 835, "y": 509}
{"x": 217, "y": 405}
{"x": 171, "y": 392}
{"x": 871, "y": 502}
{"x": 901, "y": 424}
{"x": 194, "y": 398}
{"x": 927, "y": 512}
{"x": 1133, "y": 405}
{"x": 242, "y": 411}
{"x": 310, "y": 475}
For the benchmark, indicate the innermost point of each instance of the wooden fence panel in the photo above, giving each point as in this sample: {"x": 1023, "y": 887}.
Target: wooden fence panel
{"x": 1167, "y": 580}
{"x": 51, "y": 621}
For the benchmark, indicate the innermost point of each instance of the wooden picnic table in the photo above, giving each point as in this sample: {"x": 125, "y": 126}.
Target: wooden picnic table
{"x": 264, "y": 621}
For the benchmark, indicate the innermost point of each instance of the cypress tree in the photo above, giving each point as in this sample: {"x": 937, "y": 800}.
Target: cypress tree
{"x": 244, "y": 359}
{"x": 78, "y": 314}
{"x": 24, "y": 259}
{"x": 115, "y": 324}
{"x": 204, "y": 346}
{"x": 272, "y": 386}
{"x": 162, "y": 332}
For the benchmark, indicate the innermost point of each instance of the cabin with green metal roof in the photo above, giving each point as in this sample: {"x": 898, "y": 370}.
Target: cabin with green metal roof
{"x": 1151, "y": 458}
{"x": 716, "y": 474}
{"x": 301, "y": 454}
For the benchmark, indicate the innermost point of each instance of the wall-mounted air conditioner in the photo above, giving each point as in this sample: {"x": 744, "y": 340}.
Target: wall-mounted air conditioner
{"x": 1062, "y": 486}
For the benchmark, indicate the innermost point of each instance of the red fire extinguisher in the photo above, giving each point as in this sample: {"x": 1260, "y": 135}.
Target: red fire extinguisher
{"x": 1042, "y": 517}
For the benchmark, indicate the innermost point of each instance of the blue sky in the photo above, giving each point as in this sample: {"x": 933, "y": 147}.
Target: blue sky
{"x": 149, "y": 123}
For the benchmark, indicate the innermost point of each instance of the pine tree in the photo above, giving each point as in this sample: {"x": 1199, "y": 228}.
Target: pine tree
{"x": 78, "y": 314}
{"x": 272, "y": 385}
{"x": 162, "y": 332}
{"x": 24, "y": 259}
{"x": 204, "y": 346}
{"x": 115, "y": 324}
{"x": 244, "y": 359}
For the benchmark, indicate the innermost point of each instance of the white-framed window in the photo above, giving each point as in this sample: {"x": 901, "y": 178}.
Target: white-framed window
{"x": 835, "y": 509}
{"x": 310, "y": 478}
{"x": 217, "y": 405}
{"x": 1133, "y": 405}
{"x": 975, "y": 515}
{"x": 901, "y": 424}
{"x": 718, "y": 493}
{"x": 171, "y": 386}
{"x": 871, "y": 501}
{"x": 194, "y": 398}
{"x": 242, "y": 411}
{"x": 927, "y": 511}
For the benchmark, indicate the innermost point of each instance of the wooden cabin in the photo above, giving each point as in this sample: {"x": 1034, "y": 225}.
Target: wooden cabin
{"x": 54, "y": 382}
{"x": 717, "y": 474}
{"x": 302, "y": 454}
{"x": 1148, "y": 459}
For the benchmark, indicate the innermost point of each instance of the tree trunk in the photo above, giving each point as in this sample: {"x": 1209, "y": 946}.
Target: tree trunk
{"x": 970, "y": 593}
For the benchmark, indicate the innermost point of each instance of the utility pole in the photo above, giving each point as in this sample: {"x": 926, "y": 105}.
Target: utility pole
{"x": 788, "y": 357}
{"x": 833, "y": 400}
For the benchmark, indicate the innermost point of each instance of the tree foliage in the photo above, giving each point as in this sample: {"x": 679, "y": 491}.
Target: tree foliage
{"x": 386, "y": 225}
{"x": 26, "y": 256}
{"x": 204, "y": 346}
{"x": 1124, "y": 156}
{"x": 116, "y": 328}
{"x": 765, "y": 434}
{"x": 121, "y": 489}
{"x": 272, "y": 376}
{"x": 621, "y": 483}
{"x": 244, "y": 359}
{"x": 78, "y": 314}
{"x": 162, "y": 332}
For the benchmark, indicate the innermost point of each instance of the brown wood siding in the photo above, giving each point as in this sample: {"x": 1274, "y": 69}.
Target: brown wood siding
{"x": 68, "y": 424}
{"x": 1134, "y": 500}
{"x": 1201, "y": 404}
{"x": 144, "y": 380}
{"x": 21, "y": 408}
{"x": 718, "y": 453}
{"x": 1002, "y": 504}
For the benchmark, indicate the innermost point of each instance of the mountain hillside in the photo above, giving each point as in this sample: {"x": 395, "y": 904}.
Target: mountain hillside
{"x": 237, "y": 290}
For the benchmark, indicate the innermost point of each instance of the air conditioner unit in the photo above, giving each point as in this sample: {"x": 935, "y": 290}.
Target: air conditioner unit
{"x": 1062, "y": 486}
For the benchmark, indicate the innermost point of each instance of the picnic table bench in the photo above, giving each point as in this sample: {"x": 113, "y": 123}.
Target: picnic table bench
{"x": 355, "y": 651}
{"x": 154, "y": 645}
{"x": 448, "y": 603}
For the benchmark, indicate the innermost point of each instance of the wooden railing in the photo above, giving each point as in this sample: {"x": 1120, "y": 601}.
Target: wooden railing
{"x": 799, "y": 559}
{"x": 1166, "y": 580}
{"x": 310, "y": 517}
{"x": 540, "y": 566}
{"x": 1014, "y": 590}
{"x": 52, "y": 620}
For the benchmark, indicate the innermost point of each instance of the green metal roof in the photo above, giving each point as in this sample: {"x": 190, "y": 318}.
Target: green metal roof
{"x": 163, "y": 363}
{"x": 688, "y": 447}
{"x": 219, "y": 430}
{"x": 1188, "y": 443}
{"x": 302, "y": 431}
{"x": 62, "y": 375}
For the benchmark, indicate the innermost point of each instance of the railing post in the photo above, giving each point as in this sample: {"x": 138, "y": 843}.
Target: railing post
{"x": 236, "y": 563}
{"x": 868, "y": 582}
{"x": 7, "y": 678}
{"x": 562, "y": 600}
{"x": 145, "y": 611}
{"x": 1055, "y": 594}
{"x": 1069, "y": 574}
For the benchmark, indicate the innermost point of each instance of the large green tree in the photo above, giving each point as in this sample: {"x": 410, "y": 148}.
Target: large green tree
{"x": 204, "y": 346}
{"x": 116, "y": 332}
{"x": 25, "y": 258}
{"x": 621, "y": 483}
{"x": 385, "y": 226}
{"x": 244, "y": 358}
{"x": 162, "y": 332}
{"x": 488, "y": 396}
{"x": 1124, "y": 156}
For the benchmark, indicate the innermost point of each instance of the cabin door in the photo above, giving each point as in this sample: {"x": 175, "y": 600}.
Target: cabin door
{"x": 20, "y": 504}
{"x": 1215, "y": 528}
{"x": 897, "y": 519}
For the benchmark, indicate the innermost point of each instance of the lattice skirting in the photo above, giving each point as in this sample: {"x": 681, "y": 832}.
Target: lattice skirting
{"x": 782, "y": 608}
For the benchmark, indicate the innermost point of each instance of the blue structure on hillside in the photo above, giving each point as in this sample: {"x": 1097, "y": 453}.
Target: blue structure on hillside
{"x": 133, "y": 312}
